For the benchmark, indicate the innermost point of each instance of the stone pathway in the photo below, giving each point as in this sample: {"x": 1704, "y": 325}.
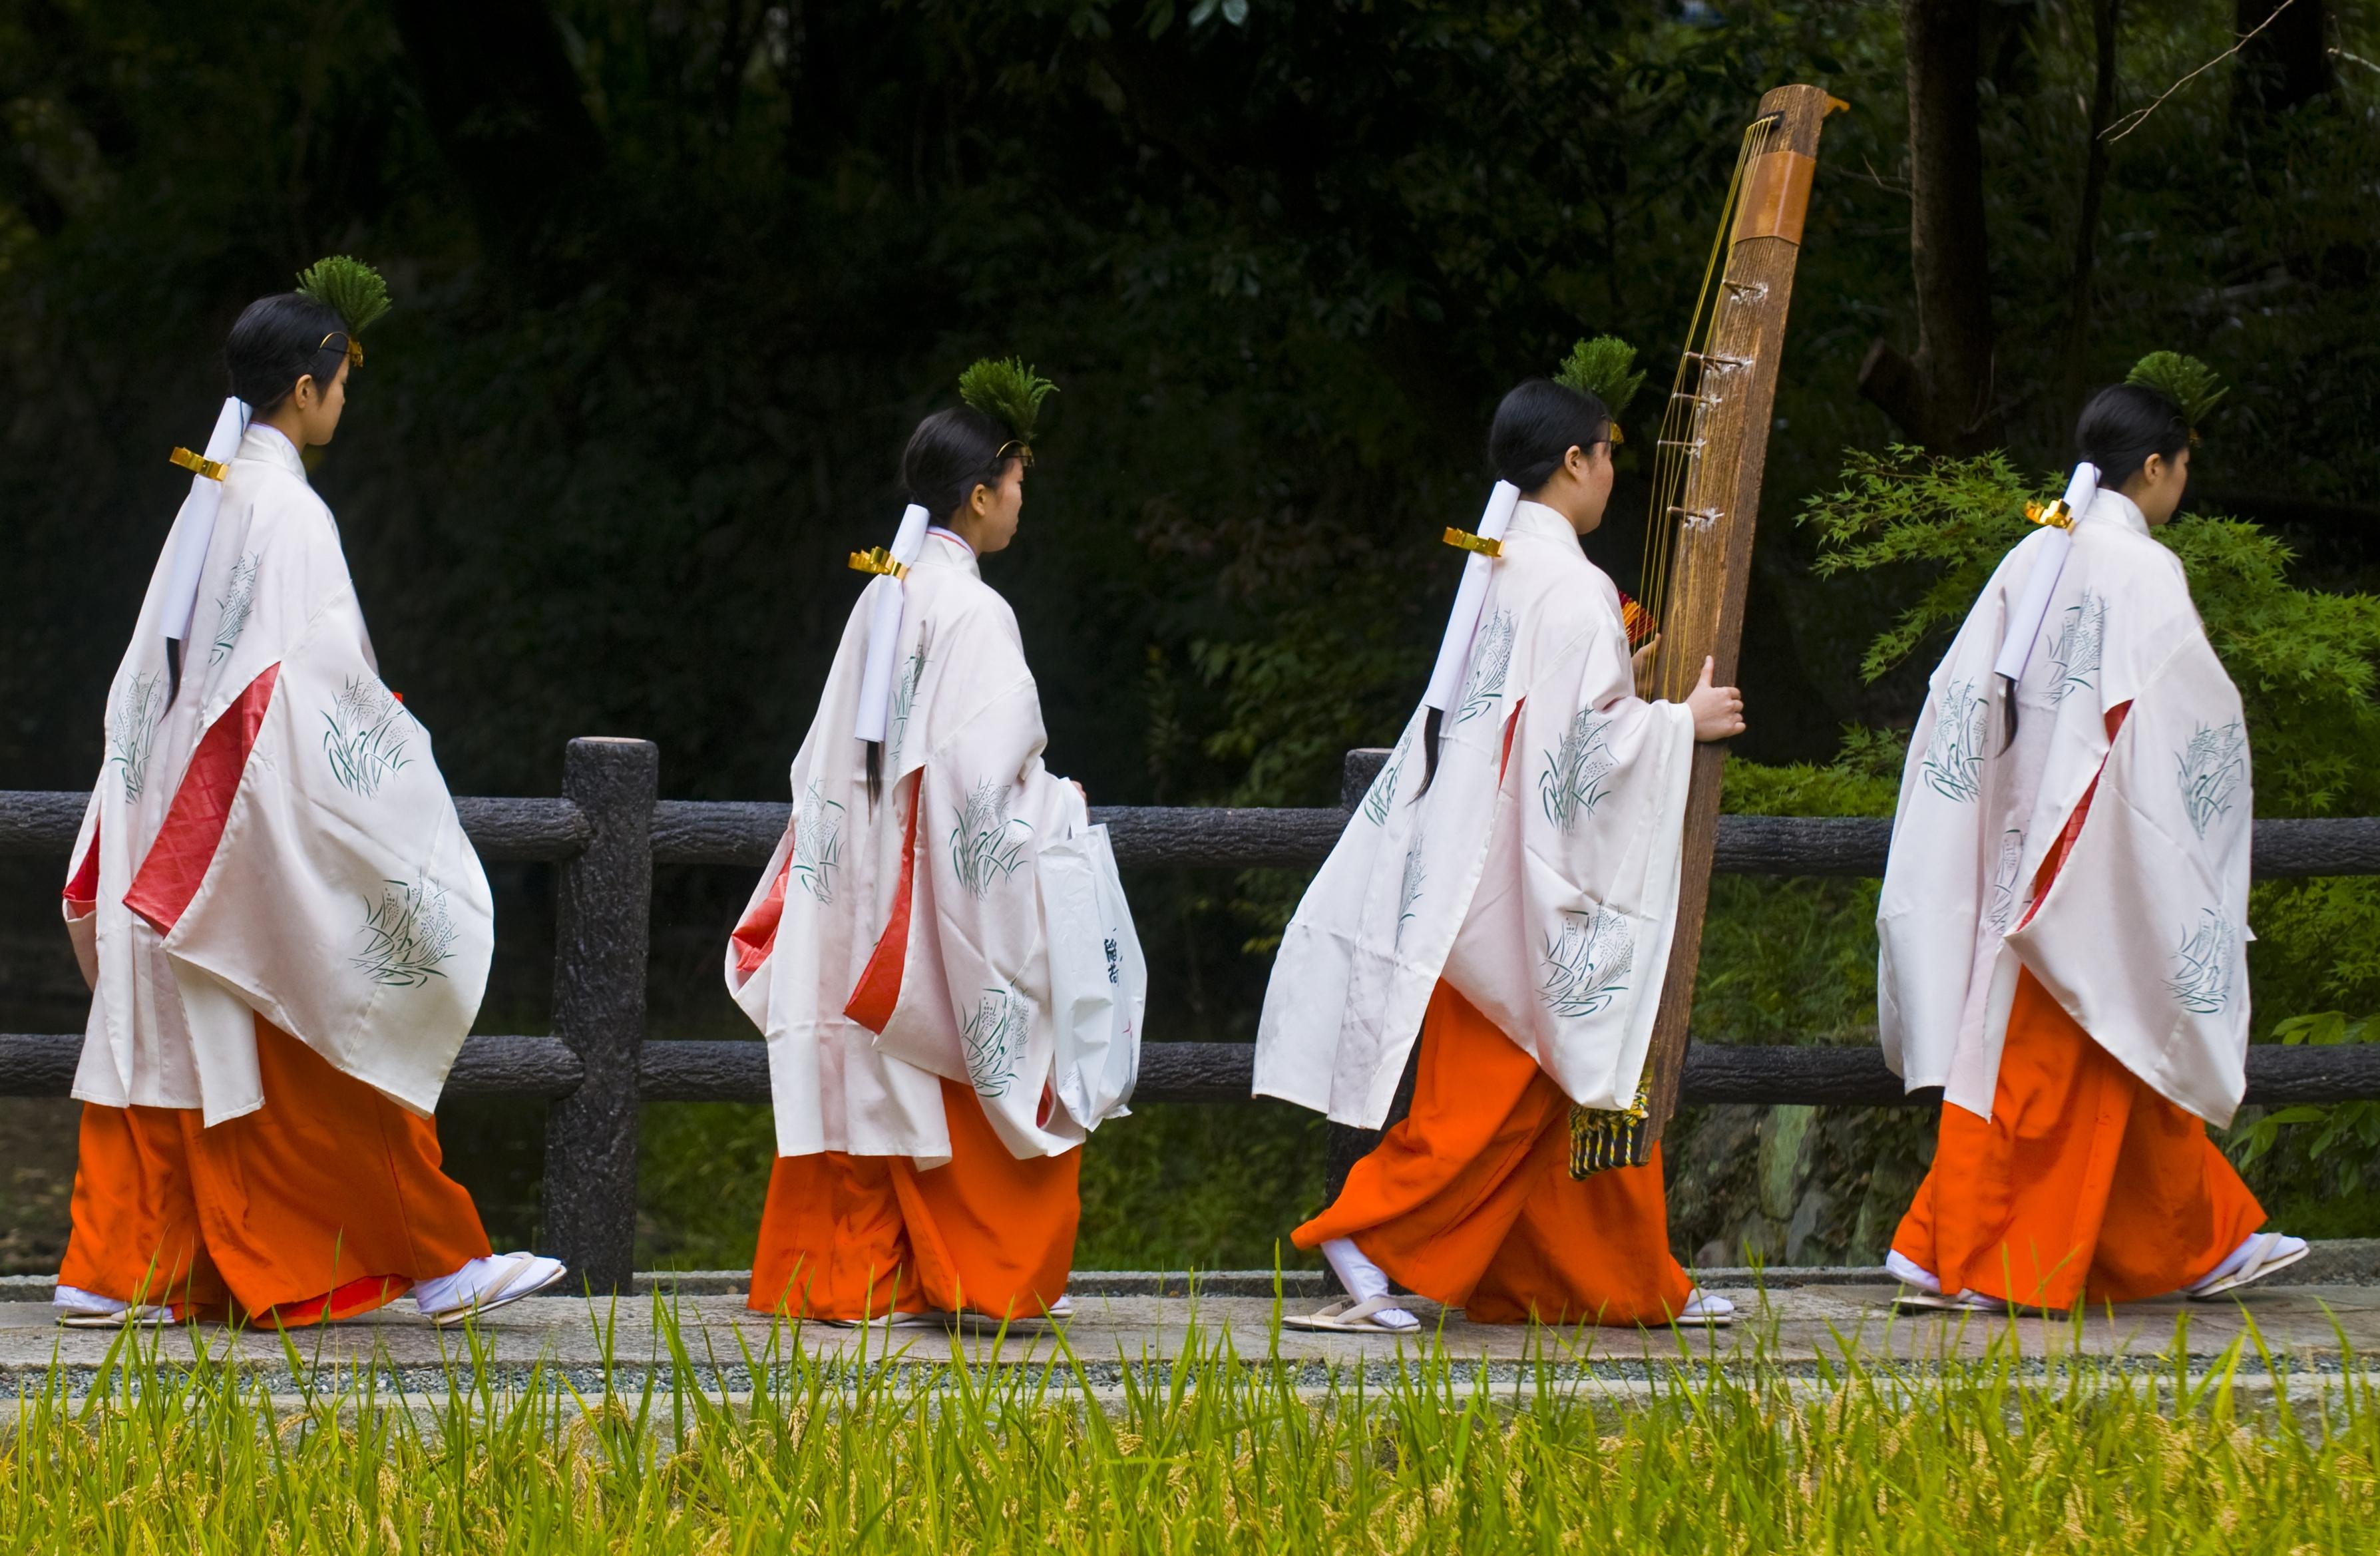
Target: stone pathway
{"x": 1801, "y": 1328}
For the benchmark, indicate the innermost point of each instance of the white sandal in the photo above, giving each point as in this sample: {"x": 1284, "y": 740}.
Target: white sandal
{"x": 2259, "y": 1256}
{"x": 930, "y": 1319}
{"x": 1348, "y": 1315}
{"x": 1913, "y": 1300}
{"x": 126, "y": 1317}
{"x": 515, "y": 1276}
{"x": 1704, "y": 1310}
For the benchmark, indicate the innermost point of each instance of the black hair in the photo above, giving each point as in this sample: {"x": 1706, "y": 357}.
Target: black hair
{"x": 2122, "y": 425}
{"x": 950, "y": 453}
{"x": 279, "y": 340}
{"x": 1536, "y": 426}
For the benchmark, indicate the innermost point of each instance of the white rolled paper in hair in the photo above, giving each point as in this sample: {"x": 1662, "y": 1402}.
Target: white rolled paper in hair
{"x": 1462, "y": 622}
{"x": 199, "y": 509}
{"x": 2024, "y": 626}
{"x": 884, "y": 631}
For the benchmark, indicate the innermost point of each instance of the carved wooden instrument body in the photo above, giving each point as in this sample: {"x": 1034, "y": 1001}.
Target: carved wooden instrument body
{"x": 1707, "y": 464}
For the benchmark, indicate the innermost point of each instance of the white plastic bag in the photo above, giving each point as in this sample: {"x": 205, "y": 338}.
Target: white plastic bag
{"x": 1099, "y": 984}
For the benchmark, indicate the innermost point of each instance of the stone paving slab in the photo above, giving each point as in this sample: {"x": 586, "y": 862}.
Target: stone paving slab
{"x": 2317, "y": 1328}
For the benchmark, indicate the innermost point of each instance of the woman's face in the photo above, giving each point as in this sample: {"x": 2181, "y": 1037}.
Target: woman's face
{"x": 2156, "y": 490}
{"x": 994, "y": 510}
{"x": 318, "y": 409}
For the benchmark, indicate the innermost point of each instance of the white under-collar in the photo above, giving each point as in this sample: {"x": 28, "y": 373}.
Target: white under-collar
{"x": 954, "y": 552}
{"x": 269, "y": 445}
{"x": 2114, "y": 507}
{"x": 1536, "y": 519}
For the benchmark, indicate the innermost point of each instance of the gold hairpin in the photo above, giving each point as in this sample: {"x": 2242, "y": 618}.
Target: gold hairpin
{"x": 879, "y": 561}
{"x": 2057, "y": 515}
{"x": 1463, "y": 540}
{"x": 199, "y": 463}
{"x": 355, "y": 348}
{"x": 1618, "y": 437}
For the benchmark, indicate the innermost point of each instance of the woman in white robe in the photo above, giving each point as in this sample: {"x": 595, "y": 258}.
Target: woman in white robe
{"x": 938, "y": 956}
{"x": 2063, "y": 924}
{"x": 1505, "y": 892}
{"x": 286, "y": 931}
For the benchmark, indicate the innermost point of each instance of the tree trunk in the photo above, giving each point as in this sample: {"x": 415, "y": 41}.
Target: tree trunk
{"x": 2103, "y": 16}
{"x": 503, "y": 105}
{"x": 1941, "y": 396}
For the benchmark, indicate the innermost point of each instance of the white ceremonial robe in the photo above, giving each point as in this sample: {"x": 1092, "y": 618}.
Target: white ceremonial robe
{"x": 962, "y": 773}
{"x": 2142, "y": 936}
{"x": 1544, "y": 889}
{"x": 341, "y": 901}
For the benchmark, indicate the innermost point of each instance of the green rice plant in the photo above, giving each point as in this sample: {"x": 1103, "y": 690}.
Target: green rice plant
{"x": 749, "y": 1440}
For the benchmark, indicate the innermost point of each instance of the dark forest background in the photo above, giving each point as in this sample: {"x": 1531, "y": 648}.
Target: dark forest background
{"x": 674, "y": 279}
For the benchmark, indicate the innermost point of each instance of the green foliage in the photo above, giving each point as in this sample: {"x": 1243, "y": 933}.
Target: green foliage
{"x": 352, "y": 289}
{"x": 1903, "y": 507}
{"x": 2303, "y": 658}
{"x": 2190, "y": 383}
{"x": 703, "y": 1436}
{"x": 1009, "y": 392}
{"x": 1605, "y": 368}
{"x": 2350, "y": 1128}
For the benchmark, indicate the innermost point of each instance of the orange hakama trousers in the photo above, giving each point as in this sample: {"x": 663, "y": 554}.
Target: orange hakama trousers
{"x": 327, "y": 1202}
{"x": 847, "y": 1236}
{"x": 1468, "y": 1198}
{"x": 2084, "y": 1184}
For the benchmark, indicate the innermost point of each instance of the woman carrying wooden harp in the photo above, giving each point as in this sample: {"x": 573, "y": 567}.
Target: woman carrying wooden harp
{"x": 1506, "y": 893}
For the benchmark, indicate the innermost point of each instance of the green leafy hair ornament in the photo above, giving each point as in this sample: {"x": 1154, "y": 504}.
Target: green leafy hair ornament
{"x": 2187, "y": 382}
{"x": 351, "y": 289}
{"x": 1009, "y": 392}
{"x": 1605, "y": 368}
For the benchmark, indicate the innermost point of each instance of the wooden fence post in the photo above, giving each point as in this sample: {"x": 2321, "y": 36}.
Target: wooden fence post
{"x": 601, "y": 939}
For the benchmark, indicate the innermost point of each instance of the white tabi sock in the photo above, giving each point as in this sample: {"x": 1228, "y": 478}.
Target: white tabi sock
{"x": 1364, "y": 1280}
{"x": 1909, "y": 1273}
{"x": 74, "y": 1299}
{"x": 2231, "y": 1262}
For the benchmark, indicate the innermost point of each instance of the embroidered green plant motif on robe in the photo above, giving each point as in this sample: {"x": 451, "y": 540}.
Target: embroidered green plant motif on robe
{"x": 365, "y": 740}
{"x": 1571, "y": 784}
{"x": 818, "y": 843}
{"x": 1491, "y": 661}
{"x": 905, "y": 693}
{"x": 987, "y": 845}
{"x": 994, "y": 1039}
{"x": 1585, "y": 964}
{"x": 2074, "y": 653}
{"x": 237, "y": 603}
{"x": 2202, "y": 981}
{"x": 1954, "y": 761}
{"x": 406, "y": 934}
{"x": 2213, "y": 767}
{"x": 1383, "y": 792}
{"x": 138, "y": 711}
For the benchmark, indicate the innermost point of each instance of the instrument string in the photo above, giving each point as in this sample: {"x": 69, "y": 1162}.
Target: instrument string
{"x": 1678, "y": 448}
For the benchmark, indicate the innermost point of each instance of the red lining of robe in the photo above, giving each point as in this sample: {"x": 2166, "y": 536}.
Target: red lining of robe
{"x": 177, "y": 864}
{"x": 880, "y": 986}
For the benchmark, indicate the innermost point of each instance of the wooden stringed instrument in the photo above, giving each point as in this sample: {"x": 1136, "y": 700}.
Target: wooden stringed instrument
{"x": 1707, "y": 463}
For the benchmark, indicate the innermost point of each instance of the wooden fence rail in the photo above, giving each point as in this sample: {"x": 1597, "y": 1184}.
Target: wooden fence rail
{"x": 608, "y": 830}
